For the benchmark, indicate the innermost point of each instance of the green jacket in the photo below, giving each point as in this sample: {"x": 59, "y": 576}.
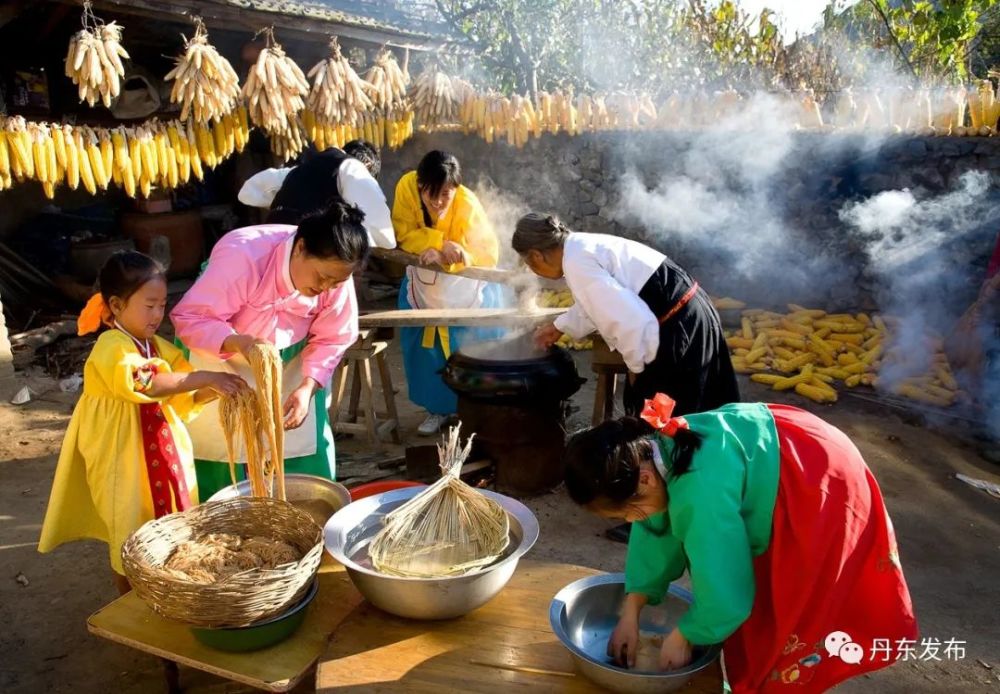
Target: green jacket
{"x": 718, "y": 519}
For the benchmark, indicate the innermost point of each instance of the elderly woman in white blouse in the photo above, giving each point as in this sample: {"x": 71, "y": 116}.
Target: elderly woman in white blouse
{"x": 644, "y": 306}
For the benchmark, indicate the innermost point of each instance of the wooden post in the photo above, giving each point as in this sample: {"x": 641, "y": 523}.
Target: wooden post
{"x": 6, "y": 354}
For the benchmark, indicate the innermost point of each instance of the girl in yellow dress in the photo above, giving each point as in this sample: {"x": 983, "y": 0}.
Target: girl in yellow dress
{"x": 126, "y": 458}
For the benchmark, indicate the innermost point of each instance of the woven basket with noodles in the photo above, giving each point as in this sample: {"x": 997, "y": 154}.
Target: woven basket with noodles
{"x": 448, "y": 529}
{"x": 241, "y": 599}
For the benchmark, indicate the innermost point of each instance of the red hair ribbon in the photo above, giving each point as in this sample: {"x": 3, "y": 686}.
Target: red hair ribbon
{"x": 658, "y": 413}
{"x": 93, "y": 315}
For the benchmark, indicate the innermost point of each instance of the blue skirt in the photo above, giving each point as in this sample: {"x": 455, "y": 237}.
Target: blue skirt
{"x": 423, "y": 365}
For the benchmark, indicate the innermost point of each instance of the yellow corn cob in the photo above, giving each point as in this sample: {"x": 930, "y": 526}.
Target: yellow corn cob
{"x": 120, "y": 152}
{"x": 193, "y": 154}
{"x": 86, "y": 172}
{"x": 72, "y": 159}
{"x": 162, "y": 157}
{"x": 768, "y": 379}
{"x": 4, "y": 156}
{"x": 788, "y": 383}
{"x": 135, "y": 155}
{"x": 49, "y": 188}
{"x": 107, "y": 152}
{"x": 128, "y": 181}
{"x": 172, "y": 174}
{"x": 814, "y": 393}
{"x": 853, "y": 380}
{"x": 59, "y": 143}
{"x": 40, "y": 158}
{"x": 219, "y": 139}
{"x": 847, "y": 359}
{"x": 144, "y": 185}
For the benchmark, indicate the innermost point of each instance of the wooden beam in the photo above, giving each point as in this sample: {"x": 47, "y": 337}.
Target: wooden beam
{"x": 477, "y": 273}
{"x": 475, "y": 317}
{"x": 219, "y": 15}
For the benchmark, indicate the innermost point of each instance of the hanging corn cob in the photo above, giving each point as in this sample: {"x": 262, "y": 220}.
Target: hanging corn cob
{"x": 205, "y": 83}
{"x": 337, "y": 99}
{"x": 433, "y": 98}
{"x": 94, "y": 59}
{"x": 275, "y": 89}
{"x": 386, "y": 82}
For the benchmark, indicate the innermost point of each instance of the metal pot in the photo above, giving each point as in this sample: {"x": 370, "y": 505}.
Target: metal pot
{"x": 512, "y": 371}
{"x": 583, "y": 615}
{"x": 348, "y": 534}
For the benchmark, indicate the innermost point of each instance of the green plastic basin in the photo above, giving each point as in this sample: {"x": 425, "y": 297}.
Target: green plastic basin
{"x": 260, "y": 635}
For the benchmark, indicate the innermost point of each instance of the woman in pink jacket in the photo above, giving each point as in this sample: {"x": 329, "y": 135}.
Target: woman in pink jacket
{"x": 288, "y": 286}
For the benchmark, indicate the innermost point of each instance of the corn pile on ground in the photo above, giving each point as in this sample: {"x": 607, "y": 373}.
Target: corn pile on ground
{"x": 549, "y": 298}
{"x": 814, "y": 352}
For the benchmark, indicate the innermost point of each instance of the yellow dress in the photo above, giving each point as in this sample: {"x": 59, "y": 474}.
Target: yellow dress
{"x": 101, "y": 489}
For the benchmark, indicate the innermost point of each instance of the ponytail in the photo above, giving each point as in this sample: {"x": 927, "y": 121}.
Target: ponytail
{"x": 686, "y": 442}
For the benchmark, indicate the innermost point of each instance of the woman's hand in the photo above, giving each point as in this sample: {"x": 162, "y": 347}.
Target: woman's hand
{"x": 241, "y": 344}
{"x": 624, "y": 642}
{"x": 675, "y": 652}
{"x": 431, "y": 256}
{"x": 547, "y": 335}
{"x": 452, "y": 253}
{"x": 297, "y": 405}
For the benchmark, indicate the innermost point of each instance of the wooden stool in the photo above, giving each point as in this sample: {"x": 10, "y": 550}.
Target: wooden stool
{"x": 607, "y": 364}
{"x": 358, "y": 361}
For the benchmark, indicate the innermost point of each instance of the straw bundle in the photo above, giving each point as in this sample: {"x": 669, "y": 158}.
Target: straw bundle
{"x": 448, "y": 529}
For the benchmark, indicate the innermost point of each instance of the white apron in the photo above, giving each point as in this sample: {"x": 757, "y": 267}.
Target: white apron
{"x": 206, "y": 429}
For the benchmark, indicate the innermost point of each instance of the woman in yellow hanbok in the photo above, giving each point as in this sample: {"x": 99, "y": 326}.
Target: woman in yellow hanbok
{"x": 126, "y": 458}
{"x": 439, "y": 219}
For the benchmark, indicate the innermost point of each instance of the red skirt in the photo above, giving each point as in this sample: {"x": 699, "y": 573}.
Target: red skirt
{"x": 830, "y": 591}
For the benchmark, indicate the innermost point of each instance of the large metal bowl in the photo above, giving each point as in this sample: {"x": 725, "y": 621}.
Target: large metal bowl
{"x": 350, "y": 531}
{"x": 317, "y": 496}
{"x": 584, "y": 614}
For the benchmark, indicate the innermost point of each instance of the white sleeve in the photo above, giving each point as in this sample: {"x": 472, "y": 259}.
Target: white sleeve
{"x": 621, "y": 317}
{"x": 575, "y": 323}
{"x": 357, "y": 187}
{"x": 260, "y": 189}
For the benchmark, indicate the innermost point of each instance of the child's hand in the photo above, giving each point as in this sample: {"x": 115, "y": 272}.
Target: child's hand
{"x": 676, "y": 651}
{"x": 225, "y": 383}
{"x": 624, "y": 642}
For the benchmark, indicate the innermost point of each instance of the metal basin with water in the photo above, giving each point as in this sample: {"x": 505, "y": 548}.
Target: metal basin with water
{"x": 348, "y": 534}
{"x": 584, "y": 614}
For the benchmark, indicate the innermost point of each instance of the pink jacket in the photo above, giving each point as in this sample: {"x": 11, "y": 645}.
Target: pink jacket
{"x": 247, "y": 289}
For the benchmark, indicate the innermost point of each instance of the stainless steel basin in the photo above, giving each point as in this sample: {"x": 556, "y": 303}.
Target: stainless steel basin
{"x": 584, "y": 614}
{"x": 350, "y": 531}
{"x": 317, "y": 496}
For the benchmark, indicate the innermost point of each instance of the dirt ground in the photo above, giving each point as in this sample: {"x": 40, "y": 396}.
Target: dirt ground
{"x": 949, "y": 536}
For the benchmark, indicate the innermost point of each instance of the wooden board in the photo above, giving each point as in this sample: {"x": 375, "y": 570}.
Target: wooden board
{"x": 506, "y": 643}
{"x": 130, "y": 622}
{"x": 476, "y": 317}
{"x": 477, "y": 273}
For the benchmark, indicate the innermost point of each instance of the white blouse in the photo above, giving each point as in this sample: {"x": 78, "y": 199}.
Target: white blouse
{"x": 605, "y": 275}
{"x": 356, "y": 186}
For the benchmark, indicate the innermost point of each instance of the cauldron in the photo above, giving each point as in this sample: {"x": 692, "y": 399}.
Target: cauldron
{"x": 512, "y": 371}
{"x": 512, "y": 395}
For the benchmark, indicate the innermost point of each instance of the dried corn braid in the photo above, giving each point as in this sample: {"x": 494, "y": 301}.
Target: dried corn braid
{"x": 94, "y": 59}
{"x": 205, "y": 83}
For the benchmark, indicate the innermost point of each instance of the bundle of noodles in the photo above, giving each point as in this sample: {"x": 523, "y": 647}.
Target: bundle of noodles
{"x": 249, "y": 418}
{"x": 217, "y": 556}
{"x": 446, "y": 530}
{"x": 265, "y": 362}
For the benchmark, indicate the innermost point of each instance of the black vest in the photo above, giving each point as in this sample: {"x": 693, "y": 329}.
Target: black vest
{"x": 310, "y": 187}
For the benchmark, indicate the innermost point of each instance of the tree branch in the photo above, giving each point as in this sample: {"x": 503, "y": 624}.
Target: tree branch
{"x": 892, "y": 35}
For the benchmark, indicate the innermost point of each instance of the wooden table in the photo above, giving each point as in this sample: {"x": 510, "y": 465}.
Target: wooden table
{"x": 505, "y": 643}
{"x": 130, "y": 622}
{"x": 475, "y": 317}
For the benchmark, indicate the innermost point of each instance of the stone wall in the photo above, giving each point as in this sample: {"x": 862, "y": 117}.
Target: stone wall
{"x": 581, "y": 180}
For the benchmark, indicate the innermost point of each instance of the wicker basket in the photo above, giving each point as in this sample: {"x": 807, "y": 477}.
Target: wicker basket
{"x": 243, "y": 598}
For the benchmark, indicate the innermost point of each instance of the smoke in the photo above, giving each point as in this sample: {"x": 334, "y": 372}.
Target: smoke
{"x": 918, "y": 247}
{"x": 725, "y": 202}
